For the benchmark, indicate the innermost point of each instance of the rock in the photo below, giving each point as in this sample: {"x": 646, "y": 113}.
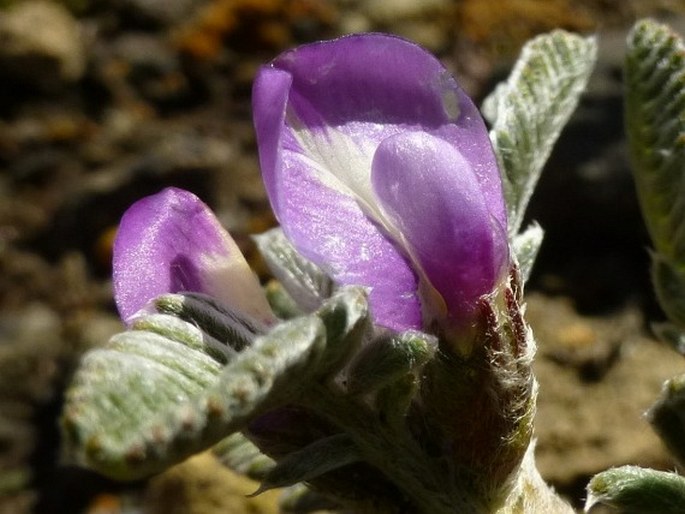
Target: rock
{"x": 151, "y": 68}
{"x": 41, "y": 45}
{"x": 163, "y": 12}
{"x": 423, "y": 32}
{"x": 143, "y": 51}
{"x": 354, "y": 21}
{"x": 29, "y": 339}
{"x": 418, "y": 21}
{"x": 202, "y": 485}
{"x": 382, "y": 11}
{"x": 588, "y": 422}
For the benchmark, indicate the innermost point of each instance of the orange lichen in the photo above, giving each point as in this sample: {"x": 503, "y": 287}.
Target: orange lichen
{"x": 260, "y": 23}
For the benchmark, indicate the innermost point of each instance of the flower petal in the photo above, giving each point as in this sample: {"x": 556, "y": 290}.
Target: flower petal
{"x": 347, "y": 95}
{"x": 320, "y": 112}
{"x": 322, "y": 217}
{"x": 432, "y": 194}
{"x": 269, "y": 100}
{"x": 171, "y": 242}
{"x": 330, "y": 229}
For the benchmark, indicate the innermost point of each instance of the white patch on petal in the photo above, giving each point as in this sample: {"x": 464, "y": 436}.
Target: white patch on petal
{"x": 341, "y": 162}
{"x": 228, "y": 278}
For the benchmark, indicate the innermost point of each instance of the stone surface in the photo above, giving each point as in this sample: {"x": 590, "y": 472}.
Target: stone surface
{"x": 41, "y": 44}
{"x": 598, "y": 376}
{"x": 201, "y": 485}
{"x": 164, "y": 12}
{"x": 382, "y": 11}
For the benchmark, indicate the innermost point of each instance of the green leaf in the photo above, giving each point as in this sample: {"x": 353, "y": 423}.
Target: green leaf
{"x": 388, "y": 359}
{"x": 667, "y": 416}
{"x": 526, "y": 246}
{"x": 169, "y": 388}
{"x": 230, "y": 327}
{"x": 146, "y": 401}
{"x": 346, "y": 318}
{"x": 655, "y": 124}
{"x": 238, "y": 453}
{"x": 668, "y": 279}
{"x": 634, "y": 490}
{"x": 305, "y": 282}
{"x": 530, "y": 109}
{"x": 670, "y": 334}
{"x": 283, "y": 305}
{"x": 299, "y": 499}
{"x": 312, "y": 461}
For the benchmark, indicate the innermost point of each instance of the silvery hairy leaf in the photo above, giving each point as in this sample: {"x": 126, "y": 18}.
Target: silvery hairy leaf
{"x": 300, "y": 499}
{"x": 238, "y": 453}
{"x": 529, "y": 110}
{"x": 667, "y": 416}
{"x": 655, "y": 124}
{"x": 302, "y": 279}
{"x": 634, "y": 490}
{"x": 167, "y": 389}
{"x": 526, "y": 246}
{"x": 389, "y": 358}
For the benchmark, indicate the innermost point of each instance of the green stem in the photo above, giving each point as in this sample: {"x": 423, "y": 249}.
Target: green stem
{"x": 392, "y": 449}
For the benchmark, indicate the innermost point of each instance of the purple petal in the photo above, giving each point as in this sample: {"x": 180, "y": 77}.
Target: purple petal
{"x": 431, "y": 193}
{"x": 366, "y": 88}
{"x": 269, "y": 100}
{"x": 320, "y": 113}
{"x": 321, "y": 216}
{"x": 171, "y": 242}
{"x": 331, "y": 230}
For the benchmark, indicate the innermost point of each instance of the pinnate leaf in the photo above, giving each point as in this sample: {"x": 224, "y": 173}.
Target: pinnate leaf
{"x": 158, "y": 393}
{"x": 655, "y": 124}
{"x": 238, "y": 453}
{"x": 634, "y": 490}
{"x": 529, "y": 110}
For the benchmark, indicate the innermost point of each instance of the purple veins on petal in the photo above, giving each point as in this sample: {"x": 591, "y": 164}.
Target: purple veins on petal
{"x": 171, "y": 242}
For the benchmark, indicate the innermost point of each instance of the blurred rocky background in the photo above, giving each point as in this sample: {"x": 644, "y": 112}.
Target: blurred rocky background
{"x": 105, "y": 101}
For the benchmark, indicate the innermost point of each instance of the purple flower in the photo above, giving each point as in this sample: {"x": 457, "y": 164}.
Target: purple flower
{"x": 171, "y": 242}
{"x": 380, "y": 170}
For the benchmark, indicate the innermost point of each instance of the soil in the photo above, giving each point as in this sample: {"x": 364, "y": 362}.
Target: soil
{"x": 116, "y": 99}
